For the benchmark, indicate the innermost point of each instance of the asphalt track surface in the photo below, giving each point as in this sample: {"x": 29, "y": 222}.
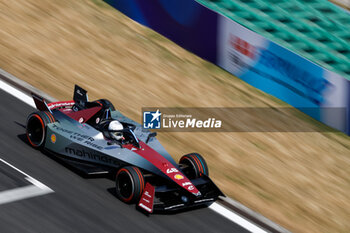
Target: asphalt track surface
{"x": 78, "y": 204}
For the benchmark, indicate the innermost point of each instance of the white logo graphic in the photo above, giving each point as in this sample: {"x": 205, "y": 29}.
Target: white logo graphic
{"x": 171, "y": 170}
{"x": 156, "y": 115}
{"x": 56, "y": 105}
{"x": 192, "y": 123}
{"x": 151, "y": 120}
{"x": 186, "y": 183}
{"x": 147, "y": 194}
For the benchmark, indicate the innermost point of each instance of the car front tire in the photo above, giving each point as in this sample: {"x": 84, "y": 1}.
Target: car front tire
{"x": 194, "y": 165}
{"x": 130, "y": 184}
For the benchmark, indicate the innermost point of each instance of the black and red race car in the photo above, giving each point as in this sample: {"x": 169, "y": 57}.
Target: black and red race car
{"x": 78, "y": 132}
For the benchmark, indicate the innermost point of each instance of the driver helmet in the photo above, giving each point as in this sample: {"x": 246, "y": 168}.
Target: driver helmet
{"x": 115, "y": 125}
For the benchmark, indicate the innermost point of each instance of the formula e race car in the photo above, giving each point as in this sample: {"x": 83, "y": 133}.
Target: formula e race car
{"x": 79, "y": 133}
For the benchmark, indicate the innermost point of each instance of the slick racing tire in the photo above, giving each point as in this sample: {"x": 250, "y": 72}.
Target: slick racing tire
{"x": 195, "y": 165}
{"x": 36, "y": 128}
{"x": 106, "y": 103}
{"x": 130, "y": 184}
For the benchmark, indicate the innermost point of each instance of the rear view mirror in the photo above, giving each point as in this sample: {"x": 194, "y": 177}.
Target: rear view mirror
{"x": 151, "y": 135}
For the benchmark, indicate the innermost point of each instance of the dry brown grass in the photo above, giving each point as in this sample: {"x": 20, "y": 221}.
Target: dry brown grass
{"x": 299, "y": 180}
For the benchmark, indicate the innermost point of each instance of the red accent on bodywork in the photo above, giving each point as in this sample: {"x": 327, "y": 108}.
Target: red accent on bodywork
{"x": 39, "y": 102}
{"x": 86, "y": 114}
{"x": 158, "y": 160}
{"x": 99, "y": 102}
{"x": 49, "y": 115}
{"x": 147, "y": 198}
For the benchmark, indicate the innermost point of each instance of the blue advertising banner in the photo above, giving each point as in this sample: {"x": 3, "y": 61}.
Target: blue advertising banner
{"x": 185, "y": 22}
{"x": 278, "y": 71}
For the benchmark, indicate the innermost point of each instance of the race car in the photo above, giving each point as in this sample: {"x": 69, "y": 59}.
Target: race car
{"x": 95, "y": 138}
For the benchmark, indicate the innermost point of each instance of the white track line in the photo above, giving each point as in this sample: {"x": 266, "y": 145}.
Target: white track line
{"x": 36, "y": 189}
{"x": 21, "y": 193}
{"x": 16, "y": 93}
{"x": 236, "y": 218}
{"x": 215, "y": 207}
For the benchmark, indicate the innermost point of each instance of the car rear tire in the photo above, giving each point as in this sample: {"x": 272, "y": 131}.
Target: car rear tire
{"x": 194, "y": 165}
{"x": 36, "y": 128}
{"x": 130, "y": 184}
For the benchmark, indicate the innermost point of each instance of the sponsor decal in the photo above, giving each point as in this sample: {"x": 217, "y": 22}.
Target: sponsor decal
{"x": 190, "y": 187}
{"x": 147, "y": 194}
{"x": 241, "y": 54}
{"x": 147, "y": 198}
{"x": 75, "y": 108}
{"x": 178, "y": 177}
{"x": 238, "y": 48}
{"x": 186, "y": 183}
{"x": 81, "y": 120}
{"x": 88, "y": 140}
{"x": 242, "y": 46}
{"x": 97, "y": 120}
{"x": 60, "y": 104}
{"x": 152, "y": 120}
{"x": 79, "y": 93}
{"x": 171, "y": 170}
{"x": 53, "y": 138}
{"x": 91, "y": 155}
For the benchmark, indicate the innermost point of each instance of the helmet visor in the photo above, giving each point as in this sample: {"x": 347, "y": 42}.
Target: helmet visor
{"x": 117, "y": 135}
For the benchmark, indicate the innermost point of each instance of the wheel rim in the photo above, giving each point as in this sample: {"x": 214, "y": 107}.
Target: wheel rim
{"x": 191, "y": 173}
{"x": 125, "y": 186}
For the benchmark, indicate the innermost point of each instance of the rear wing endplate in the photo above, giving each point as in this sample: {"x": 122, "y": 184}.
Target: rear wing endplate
{"x": 40, "y": 103}
{"x": 80, "y": 95}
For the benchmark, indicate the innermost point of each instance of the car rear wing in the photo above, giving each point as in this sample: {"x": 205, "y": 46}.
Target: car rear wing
{"x": 80, "y": 96}
{"x": 40, "y": 103}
